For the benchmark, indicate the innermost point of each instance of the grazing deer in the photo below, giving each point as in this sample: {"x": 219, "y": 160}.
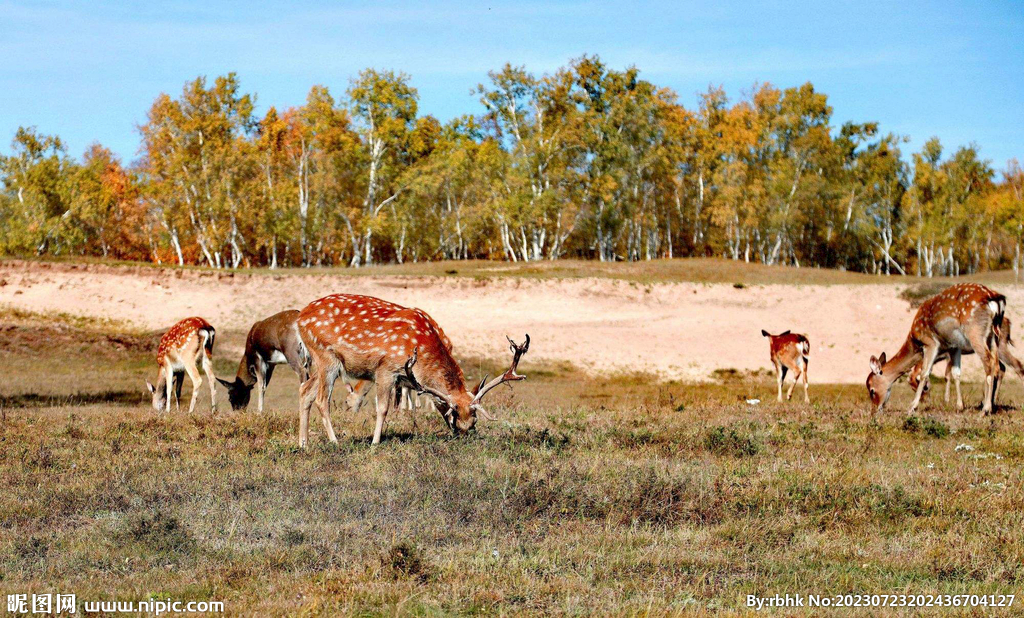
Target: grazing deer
{"x": 1003, "y": 343}
{"x": 188, "y": 342}
{"x": 789, "y": 351}
{"x": 962, "y": 318}
{"x": 271, "y": 342}
{"x": 366, "y": 338}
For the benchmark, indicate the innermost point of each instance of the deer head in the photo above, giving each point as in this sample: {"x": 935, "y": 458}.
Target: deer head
{"x": 879, "y": 386}
{"x": 460, "y": 409}
{"x": 238, "y": 392}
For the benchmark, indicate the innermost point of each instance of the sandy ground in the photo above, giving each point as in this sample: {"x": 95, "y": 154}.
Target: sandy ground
{"x": 676, "y": 330}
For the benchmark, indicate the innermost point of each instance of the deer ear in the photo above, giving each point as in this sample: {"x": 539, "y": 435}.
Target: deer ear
{"x": 226, "y": 383}
{"x": 765, "y": 333}
{"x": 876, "y": 364}
{"x": 150, "y": 387}
{"x": 784, "y": 333}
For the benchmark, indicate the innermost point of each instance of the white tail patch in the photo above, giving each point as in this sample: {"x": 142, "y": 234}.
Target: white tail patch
{"x": 807, "y": 348}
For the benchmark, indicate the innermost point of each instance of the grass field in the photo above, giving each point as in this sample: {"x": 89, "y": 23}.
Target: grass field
{"x": 591, "y": 496}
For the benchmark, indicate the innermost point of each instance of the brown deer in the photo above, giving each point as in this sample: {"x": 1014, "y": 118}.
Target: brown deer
{"x": 366, "y": 338}
{"x": 1006, "y": 357}
{"x": 789, "y": 351}
{"x": 961, "y": 318}
{"x": 186, "y": 343}
{"x": 271, "y": 342}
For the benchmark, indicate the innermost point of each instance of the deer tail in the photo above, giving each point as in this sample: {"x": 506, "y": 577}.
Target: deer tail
{"x": 997, "y": 307}
{"x": 806, "y": 346}
{"x": 209, "y": 334}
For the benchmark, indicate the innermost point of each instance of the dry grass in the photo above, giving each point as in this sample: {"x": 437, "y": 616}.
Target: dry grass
{"x": 601, "y": 497}
{"x": 699, "y": 270}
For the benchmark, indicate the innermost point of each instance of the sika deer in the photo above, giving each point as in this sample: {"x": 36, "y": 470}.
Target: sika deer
{"x": 366, "y": 338}
{"x": 1003, "y": 343}
{"x": 186, "y": 343}
{"x": 789, "y": 351}
{"x": 962, "y": 318}
{"x": 271, "y": 342}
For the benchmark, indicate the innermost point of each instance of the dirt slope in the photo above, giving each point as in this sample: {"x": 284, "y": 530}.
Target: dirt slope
{"x": 676, "y": 330}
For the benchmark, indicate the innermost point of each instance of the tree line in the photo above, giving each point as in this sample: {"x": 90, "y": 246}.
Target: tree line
{"x": 585, "y": 162}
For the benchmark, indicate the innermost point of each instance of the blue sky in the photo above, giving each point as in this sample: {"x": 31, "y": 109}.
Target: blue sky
{"x": 88, "y": 71}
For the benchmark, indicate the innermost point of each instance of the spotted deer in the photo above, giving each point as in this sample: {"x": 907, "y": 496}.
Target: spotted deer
{"x": 789, "y": 351}
{"x": 1006, "y": 357}
{"x": 186, "y": 343}
{"x": 270, "y": 342}
{"x": 366, "y": 338}
{"x": 963, "y": 318}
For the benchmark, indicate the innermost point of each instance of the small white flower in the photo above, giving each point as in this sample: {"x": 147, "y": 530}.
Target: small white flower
{"x": 964, "y": 448}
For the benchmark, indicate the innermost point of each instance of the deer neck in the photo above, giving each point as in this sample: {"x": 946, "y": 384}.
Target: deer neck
{"x": 902, "y": 362}
{"x": 243, "y": 374}
{"x": 447, "y": 378}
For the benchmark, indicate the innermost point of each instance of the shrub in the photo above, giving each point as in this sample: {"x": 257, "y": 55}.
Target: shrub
{"x": 404, "y": 560}
{"x": 159, "y": 532}
{"x": 727, "y": 441}
{"x": 930, "y": 426}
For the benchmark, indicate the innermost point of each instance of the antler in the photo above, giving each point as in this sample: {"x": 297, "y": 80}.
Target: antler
{"x": 416, "y": 385}
{"x": 510, "y": 375}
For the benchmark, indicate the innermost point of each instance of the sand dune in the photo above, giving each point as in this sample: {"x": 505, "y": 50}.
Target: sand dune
{"x": 675, "y": 330}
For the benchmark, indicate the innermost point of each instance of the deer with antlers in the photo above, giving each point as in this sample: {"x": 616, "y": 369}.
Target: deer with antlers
{"x": 962, "y": 318}
{"x": 367, "y": 338}
{"x": 1006, "y": 357}
{"x": 188, "y": 342}
{"x": 270, "y": 342}
{"x": 789, "y": 352}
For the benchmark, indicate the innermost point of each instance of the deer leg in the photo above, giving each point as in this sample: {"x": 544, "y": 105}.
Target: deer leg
{"x": 169, "y": 386}
{"x": 981, "y": 342}
{"x": 796, "y": 378}
{"x": 931, "y": 352}
{"x": 208, "y": 370}
{"x": 807, "y": 398}
{"x": 953, "y": 373}
{"x": 197, "y": 381}
{"x": 307, "y": 392}
{"x": 386, "y": 387}
{"x": 1000, "y": 373}
{"x": 179, "y": 379}
{"x": 413, "y": 407}
{"x": 949, "y": 378}
{"x": 780, "y": 375}
{"x": 323, "y": 402}
{"x": 261, "y": 383}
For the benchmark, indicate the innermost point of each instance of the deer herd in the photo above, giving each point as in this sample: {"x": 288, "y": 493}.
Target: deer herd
{"x": 398, "y": 353}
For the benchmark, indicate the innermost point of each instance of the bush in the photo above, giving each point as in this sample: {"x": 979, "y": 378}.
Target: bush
{"x": 727, "y": 441}
{"x": 930, "y": 426}
{"x": 159, "y": 532}
{"x": 404, "y": 560}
